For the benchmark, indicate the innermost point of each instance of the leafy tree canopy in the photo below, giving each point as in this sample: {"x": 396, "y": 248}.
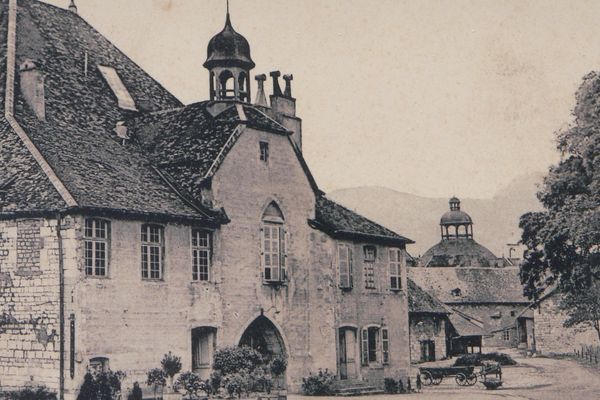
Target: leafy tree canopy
{"x": 563, "y": 240}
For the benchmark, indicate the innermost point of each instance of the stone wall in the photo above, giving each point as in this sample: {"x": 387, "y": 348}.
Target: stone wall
{"x": 427, "y": 327}
{"x": 29, "y": 304}
{"x": 551, "y": 337}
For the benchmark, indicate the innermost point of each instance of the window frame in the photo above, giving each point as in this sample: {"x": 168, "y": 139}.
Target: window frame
{"x": 381, "y": 352}
{"x": 148, "y": 244}
{"x": 280, "y": 255}
{"x": 345, "y": 279}
{"x": 397, "y": 264}
{"x": 196, "y": 249}
{"x": 263, "y": 147}
{"x": 95, "y": 241}
{"x": 506, "y": 335}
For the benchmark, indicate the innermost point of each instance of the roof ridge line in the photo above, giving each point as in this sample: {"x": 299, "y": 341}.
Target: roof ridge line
{"x": 9, "y": 108}
{"x": 221, "y": 156}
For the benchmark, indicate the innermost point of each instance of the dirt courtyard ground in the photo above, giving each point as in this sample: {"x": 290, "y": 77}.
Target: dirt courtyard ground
{"x": 532, "y": 379}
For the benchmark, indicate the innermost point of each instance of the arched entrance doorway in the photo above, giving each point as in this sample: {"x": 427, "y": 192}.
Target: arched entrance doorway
{"x": 263, "y": 336}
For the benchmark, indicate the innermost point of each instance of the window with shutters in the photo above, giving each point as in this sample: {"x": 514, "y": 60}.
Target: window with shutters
{"x": 273, "y": 245}
{"x": 345, "y": 266}
{"x": 152, "y": 251}
{"x": 96, "y": 241}
{"x": 395, "y": 269}
{"x": 201, "y": 254}
{"x": 375, "y": 345}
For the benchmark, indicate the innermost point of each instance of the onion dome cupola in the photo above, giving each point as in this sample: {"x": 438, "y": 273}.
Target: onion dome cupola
{"x": 229, "y": 62}
{"x": 456, "y": 224}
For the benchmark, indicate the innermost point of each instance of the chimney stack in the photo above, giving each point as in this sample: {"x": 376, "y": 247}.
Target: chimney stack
{"x": 31, "y": 81}
{"x": 261, "y": 98}
{"x": 283, "y": 107}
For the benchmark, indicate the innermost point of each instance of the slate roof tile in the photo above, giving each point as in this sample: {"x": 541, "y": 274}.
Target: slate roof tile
{"x": 419, "y": 301}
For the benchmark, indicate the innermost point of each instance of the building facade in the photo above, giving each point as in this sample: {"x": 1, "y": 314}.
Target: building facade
{"x": 133, "y": 225}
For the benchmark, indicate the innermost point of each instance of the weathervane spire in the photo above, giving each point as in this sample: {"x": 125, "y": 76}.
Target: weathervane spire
{"x": 227, "y": 7}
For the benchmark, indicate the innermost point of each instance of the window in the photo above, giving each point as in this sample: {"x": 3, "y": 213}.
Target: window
{"x": 203, "y": 345}
{"x": 96, "y": 239}
{"x": 152, "y": 251}
{"x": 369, "y": 275}
{"x": 201, "y": 255}
{"x": 506, "y": 335}
{"x": 375, "y": 345}
{"x": 99, "y": 364}
{"x": 273, "y": 242}
{"x": 395, "y": 269}
{"x": 111, "y": 77}
{"x": 264, "y": 151}
{"x": 512, "y": 313}
{"x": 345, "y": 266}
{"x": 370, "y": 253}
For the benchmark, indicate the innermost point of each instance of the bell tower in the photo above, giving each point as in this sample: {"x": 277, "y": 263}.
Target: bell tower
{"x": 229, "y": 63}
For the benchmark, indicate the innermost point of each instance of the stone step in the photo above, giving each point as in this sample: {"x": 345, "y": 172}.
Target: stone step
{"x": 362, "y": 391}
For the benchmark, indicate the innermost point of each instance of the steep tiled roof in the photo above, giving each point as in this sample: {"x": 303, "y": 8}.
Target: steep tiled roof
{"x": 185, "y": 142}
{"x": 344, "y": 223}
{"x": 419, "y": 301}
{"x": 78, "y": 139}
{"x": 475, "y": 285}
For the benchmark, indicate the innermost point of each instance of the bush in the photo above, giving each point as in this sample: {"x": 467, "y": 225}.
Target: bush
{"x": 237, "y": 383}
{"x": 104, "y": 385}
{"x": 478, "y": 359}
{"x": 171, "y": 365}
{"x": 192, "y": 384}
{"x": 40, "y": 393}
{"x": 156, "y": 378}
{"x": 216, "y": 378}
{"x": 390, "y": 385}
{"x": 231, "y": 360}
{"x": 401, "y": 386}
{"x": 278, "y": 365}
{"x": 321, "y": 384}
{"x": 136, "y": 392}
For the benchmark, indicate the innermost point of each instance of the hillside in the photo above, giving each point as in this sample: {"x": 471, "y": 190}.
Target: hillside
{"x": 496, "y": 220}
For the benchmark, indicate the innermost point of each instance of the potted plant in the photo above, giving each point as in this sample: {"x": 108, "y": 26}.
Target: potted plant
{"x": 171, "y": 365}
{"x": 156, "y": 379}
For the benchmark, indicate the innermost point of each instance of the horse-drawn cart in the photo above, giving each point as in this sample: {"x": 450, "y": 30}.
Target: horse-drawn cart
{"x": 463, "y": 375}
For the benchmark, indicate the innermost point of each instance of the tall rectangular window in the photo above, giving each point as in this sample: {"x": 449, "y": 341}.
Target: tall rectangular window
{"x": 96, "y": 242}
{"x": 201, "y": 255}
{"x": 152, "y": 251}
{"x": 264, "y": 151}
{"x": 345, "y": 266}
{"x": 375, "y": 345}
{"x": 395, "y": 269}
{"x": 273, "y": 252}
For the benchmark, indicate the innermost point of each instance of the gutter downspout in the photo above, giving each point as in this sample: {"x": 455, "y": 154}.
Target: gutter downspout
{"x": 61, "y": 274}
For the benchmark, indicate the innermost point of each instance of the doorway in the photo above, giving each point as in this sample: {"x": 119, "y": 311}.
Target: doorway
{"x": 347, "y": 352}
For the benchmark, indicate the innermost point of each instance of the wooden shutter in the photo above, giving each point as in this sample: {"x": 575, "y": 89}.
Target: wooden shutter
{"x": 364, "y": 354}
{"x": 343, "y": 266}
{"x": 282, "y": 254}
{"x": 350, "y": 268}
{"x": 385, "y": 346}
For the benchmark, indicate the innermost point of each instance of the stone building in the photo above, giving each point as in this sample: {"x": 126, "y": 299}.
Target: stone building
{"x": 551, "y": 336}
{"x": 480, "y": 288}
{"x": 132, "y": 225}
{"x": 429, "y": 330}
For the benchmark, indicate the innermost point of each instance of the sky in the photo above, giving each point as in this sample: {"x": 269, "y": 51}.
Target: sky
{"x": 432, "y": 97}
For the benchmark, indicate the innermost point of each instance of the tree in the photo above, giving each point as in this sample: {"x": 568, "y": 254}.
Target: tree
{"x": 156, "y": 378}
{"x": 563, "y": 240}
{"x": 583, "y": 308}
{"x": 171, "y": 365}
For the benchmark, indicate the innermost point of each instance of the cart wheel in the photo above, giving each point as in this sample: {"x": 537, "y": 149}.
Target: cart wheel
{"x": 437, "y": 380}
{"x": 471, "y": 380}
{"x": 461, "y": 379}
{"x": 426, "y": 378}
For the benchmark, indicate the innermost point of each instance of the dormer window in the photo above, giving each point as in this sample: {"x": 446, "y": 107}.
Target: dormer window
{"x": 264, "y": 151}
{"x": 456, "y": 292}
{"x": 115, "y": 83}
{"x": 370, "y": 253}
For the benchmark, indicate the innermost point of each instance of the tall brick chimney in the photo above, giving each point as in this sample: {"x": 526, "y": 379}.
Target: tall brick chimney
{"x": 31, "y": 81}
{"x": 283, "y": 107}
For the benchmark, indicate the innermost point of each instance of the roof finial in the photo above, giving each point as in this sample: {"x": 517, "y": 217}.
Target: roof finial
{"x": 227, "y": 7}
{"x": 73, "y": 7}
